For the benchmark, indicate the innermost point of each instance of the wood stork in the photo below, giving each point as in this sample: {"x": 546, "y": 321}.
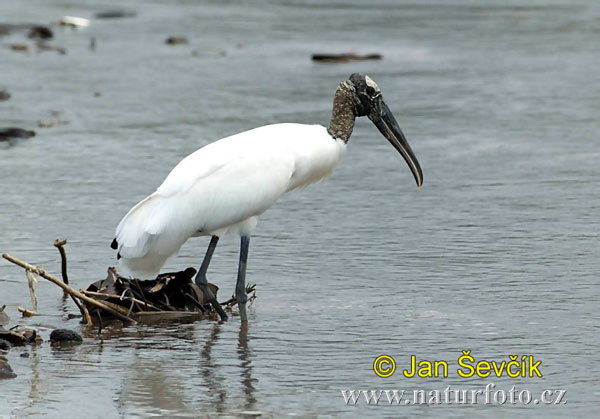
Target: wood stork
{"x": 225, "y": 186}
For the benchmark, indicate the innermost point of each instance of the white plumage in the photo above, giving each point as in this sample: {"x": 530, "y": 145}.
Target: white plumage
{"x": 223, "y": 188}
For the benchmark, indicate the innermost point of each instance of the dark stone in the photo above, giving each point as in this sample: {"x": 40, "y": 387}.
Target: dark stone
{"x": 5, "y": 369}
{"x": 24, "y": 355}
{"x": 176, "y": 40}
{"x": 40, "y": 32}
{"x": 65, "y": 335}
{"x": 7, "y": 133}
{"x": 114, "y": 14}
{"x": 5, "y": 345}
{"x": 4, "y": 95}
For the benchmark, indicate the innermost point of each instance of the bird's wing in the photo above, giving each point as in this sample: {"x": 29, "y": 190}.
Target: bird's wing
{"x": 221, "y": 184}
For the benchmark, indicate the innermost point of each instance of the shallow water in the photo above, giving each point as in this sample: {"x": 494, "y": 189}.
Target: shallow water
{"x": 497, "y": 253}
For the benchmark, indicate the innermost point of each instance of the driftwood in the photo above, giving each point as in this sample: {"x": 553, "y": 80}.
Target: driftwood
{"x": 25, "y": 312}
{"x": 169, "y": 296}
{"x": 31, "y": 283}
{"x": 344, "y": 58}
{"x": 19, "y": 336}
{"x": 69, "y": 290}
{"x": 59, "y": 244}
{"x": 13, "y": 337}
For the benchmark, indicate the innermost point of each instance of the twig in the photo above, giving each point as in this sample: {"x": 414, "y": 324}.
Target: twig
{"x": 31, "y": 283}
{"x": 86, "y": 314}
{"x": 166, "y": 303}
{"x": 233, "y": 300}
{"x": 116, "y": 307}
{"x": 130, "y": 308}
{"x": 137, "y": 283}
{"x": 100, "y": 294}
{"x": 59, "y": 243}
{"x": 26, "y": 313}
{"x": 73, "y": 293}
{"x": 196, "y": 302}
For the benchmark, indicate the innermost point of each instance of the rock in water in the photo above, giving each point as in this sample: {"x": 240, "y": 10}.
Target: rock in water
{"x": 5, "y": 369}
{"x": 5, "y": 345}
{"x": 40, "y": 32}
{"x": 6, "y": 133}
{"x": 65, "y": 335}
{"x": 114, "y": 14}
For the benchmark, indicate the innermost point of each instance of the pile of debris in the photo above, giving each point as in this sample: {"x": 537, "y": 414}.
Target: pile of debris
{"x": 170, "y": 296}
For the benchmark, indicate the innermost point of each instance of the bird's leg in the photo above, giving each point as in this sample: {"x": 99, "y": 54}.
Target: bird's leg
{"x": 240, "y": 288}
{"x": 202, "y": 282}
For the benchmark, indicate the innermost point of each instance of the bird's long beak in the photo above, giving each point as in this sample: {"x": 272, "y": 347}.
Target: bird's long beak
{"x": 383, "y": 119}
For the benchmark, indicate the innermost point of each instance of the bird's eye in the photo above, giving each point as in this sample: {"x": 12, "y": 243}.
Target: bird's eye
{"x": 370, "y": 91}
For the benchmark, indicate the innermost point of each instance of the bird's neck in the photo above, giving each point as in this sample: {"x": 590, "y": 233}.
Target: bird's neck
{"x": 343, "y": 114}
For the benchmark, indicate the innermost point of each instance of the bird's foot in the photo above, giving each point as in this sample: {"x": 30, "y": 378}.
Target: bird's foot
{"x": 202, "y": 283}
{"x": 219, "y": 309}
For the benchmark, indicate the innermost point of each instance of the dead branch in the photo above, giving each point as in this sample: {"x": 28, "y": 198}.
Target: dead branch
{"x": 196, "y": 302}
{"x": 86, "y": 314}
{"x": 26, "y": 313}
{"x": 100, "y": 294}
{"x": 233, "y": 300}
{"x": 31, "y": 283}
{"x": 59, "y": 243}
{"x": 137, "y": 284}
{"x": 150, "y": 316}
{"x": 69, "y": 290}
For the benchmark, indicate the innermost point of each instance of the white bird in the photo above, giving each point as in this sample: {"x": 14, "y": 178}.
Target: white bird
{"x": 224, "y": 187}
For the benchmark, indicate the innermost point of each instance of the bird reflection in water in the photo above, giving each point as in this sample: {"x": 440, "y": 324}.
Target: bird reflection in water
{"x": 208, "y": 368}
{"x": 213, "y": 380}
{"x": 246, "y": 366}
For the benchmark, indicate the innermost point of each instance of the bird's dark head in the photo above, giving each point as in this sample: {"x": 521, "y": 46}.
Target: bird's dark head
{"x": 366, "y": 93}
{"x": 368, "y": 101}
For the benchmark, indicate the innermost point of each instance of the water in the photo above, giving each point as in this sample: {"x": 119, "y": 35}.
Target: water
{"x": 497, "y": 253}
